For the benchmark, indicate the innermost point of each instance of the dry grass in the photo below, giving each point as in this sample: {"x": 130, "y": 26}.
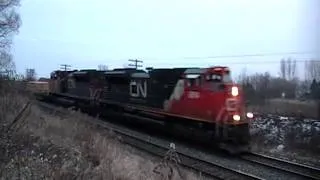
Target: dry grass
{"x": 48, "y": 146}
{"x": 10, "y": 104}
{"x": 105, "y": 156}
{"x": 293, "y": 108}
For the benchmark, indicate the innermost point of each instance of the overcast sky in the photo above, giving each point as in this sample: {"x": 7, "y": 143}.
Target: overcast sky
{"x": 164, "y": 33}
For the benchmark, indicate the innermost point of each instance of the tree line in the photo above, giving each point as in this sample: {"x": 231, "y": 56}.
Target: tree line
{"x": 262, "y": 86}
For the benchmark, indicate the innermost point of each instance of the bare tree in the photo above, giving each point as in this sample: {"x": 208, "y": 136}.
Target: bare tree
{"x": 242, "y": 78}
{"x": 9, "y": 24}
{"x": 10, "y": 21}
{"x": 283, "y": 69}
{"x": 102, "y": 67}
{"x": 30, "y": 74}
{"x": 312, "y": 70}
{"x": 293, "y": 69}
{"x": 7, "y": 66}
{"x": 260, "y": 83}
{"x": 288, "y": 69}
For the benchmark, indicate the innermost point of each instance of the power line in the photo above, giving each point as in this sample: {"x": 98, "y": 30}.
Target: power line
{"x": 241, "y": 55}
{"x": 235, "y": 56}
{"x": 233, "y": 62}
{"x": 65, "y": 67}
{"x": 268, "y": 62}
{"x": 250, "y": 55}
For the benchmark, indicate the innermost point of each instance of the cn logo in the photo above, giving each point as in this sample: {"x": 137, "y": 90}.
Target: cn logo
{"x": 138, "y": 89}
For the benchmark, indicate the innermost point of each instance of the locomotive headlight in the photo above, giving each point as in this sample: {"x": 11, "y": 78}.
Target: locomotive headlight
{"x": 236, "y": 117}
{"x": 250, "y": 115}
{"x": 234, "y": 91}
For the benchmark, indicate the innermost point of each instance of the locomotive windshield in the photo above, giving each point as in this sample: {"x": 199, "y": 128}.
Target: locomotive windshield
{"x": 220, "y": 78}
{"x": 227, "y": 78}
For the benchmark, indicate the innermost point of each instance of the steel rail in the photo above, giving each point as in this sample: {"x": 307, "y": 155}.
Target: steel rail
{"x": 207, "y": 168}
{"x": 301, "y": 170}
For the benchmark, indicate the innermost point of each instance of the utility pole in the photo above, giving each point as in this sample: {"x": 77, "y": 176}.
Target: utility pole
{"x": 64, "y": 67}
{"x": 30, "y": 74}
{"x": 136, "y": 65}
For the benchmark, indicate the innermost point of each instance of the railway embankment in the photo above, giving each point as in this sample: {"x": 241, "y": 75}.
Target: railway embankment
{"x": 37, "y": 144}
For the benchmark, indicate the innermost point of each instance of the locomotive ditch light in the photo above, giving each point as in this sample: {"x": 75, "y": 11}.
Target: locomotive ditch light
{"x": 250, "y": 115}
{"x": 234, "y": 91}
{"x": 236, "y": 117}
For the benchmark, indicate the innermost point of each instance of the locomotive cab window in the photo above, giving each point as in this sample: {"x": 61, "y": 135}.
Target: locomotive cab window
{"x": 227, "y": 78}
{"x": 217, "y": 81}
{"x": 53, "y": 76}
{"x": 216, "y": 78}
{"x": 193, "y": 80}
{"x": 219, "y": 78}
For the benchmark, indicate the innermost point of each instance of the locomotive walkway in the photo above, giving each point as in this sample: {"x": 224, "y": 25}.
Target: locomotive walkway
{"x": 207, "y": 166}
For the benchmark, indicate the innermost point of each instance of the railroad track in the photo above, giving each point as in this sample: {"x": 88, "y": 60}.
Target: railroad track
{"x": 207, "y": 168}
{"x": 300, "y": 170}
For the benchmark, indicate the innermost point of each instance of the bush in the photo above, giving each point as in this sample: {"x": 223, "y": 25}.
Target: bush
{"x": 12, "y": 98}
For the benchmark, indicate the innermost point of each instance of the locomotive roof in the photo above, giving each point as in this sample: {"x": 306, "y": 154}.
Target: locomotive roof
{"x": 84, "y": 72}
{"x": 124, "y": 71}
{"x": 164, "y": 70}
{"x": 90, "y": 70}
{"x": 140, "y": 75}
{"x": 63, "y": 71}
{"x": 204, "y": 70}
{"x": 195, "y": 71}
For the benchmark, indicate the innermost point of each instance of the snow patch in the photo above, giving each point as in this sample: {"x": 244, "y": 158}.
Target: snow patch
{"x": 283, "y": 131}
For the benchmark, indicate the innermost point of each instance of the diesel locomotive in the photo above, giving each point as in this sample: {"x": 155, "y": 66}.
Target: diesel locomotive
{"x": 202, "y": 98}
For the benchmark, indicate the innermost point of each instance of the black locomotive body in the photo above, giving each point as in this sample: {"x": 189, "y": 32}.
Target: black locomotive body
{"x": 127, "y": 86}
{"x": 198, "y": 98}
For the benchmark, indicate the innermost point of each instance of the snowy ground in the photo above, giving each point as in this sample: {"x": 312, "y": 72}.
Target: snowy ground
{"x": 295, "y": 139}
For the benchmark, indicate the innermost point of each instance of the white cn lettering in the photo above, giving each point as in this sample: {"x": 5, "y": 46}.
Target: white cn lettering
{"x": 140, "y": 90}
